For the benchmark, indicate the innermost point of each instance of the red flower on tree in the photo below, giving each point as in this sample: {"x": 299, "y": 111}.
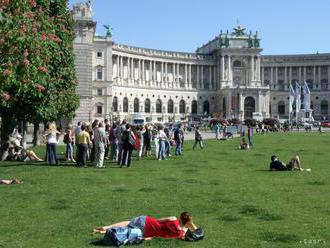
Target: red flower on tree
{"x": 7, "y": 72}
{"x": 40, "y": 88}
{"x": 43, "y": 69}
{"x": 5, "y": 96}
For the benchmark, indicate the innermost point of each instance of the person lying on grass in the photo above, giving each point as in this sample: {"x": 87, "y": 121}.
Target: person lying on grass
{"x": 294, "y": 164}
{"x": 10, "y": 181}
{"x": 243, "y": 145}
{"x": 168, "y": 227}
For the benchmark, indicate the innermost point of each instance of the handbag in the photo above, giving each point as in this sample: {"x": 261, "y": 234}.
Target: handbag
{"x": 195, "y": 235}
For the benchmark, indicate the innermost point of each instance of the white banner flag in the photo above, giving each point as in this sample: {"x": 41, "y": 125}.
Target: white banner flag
{"x": 291, "y": 98}
{"x": 307, "y": 97}
{"x": 298, "y": 97}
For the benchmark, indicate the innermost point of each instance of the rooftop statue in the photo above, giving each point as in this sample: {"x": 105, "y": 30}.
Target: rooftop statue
{"x": 109, "y": 31}
{"x": 239, "y": 31}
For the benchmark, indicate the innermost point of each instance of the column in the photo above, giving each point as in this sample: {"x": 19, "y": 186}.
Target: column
{"x": 299, "y": 74}
{"x": 177, "y": 85}
{"x": 304, "y": 74}
{"x": 185, "y": 76}
{"x": 202, "y": 77}
{"x": 150, "y": 72}
{"x": 197, "y": 77}
{"x": 271, "y": 76}
{"x": 319, "y": 76}
{"x": 139, "y": 72}
{"x": 162, "y": 74}
{"x": 166, "y": 75}
{"x": 117, "y": 72}
{"x": 222, "y": 68}
{"x": 328, "y": 76}
{"x": 210, "y": 77}
{"x": 189, "y": 78}
{"x": 132, "y": 71}
{"x": 129, "y": 70}
{"x": 229, "y": 69}
{"x": 143, "y": 74}
{"x": 121, "y": 68}
{"x": 174, "y": 75}
{"x": 290, "y": 75}
{"x": 314, "y": 74}
{"x": 155, "y": 73}
{"x": 258, "y": 68}
{"x": 262, "y": 75}
{"x": 285, "y": 76}
{"x": 215, "y": 79}
{"x": 252, "y": 68}
{"x": 276, "y": 77}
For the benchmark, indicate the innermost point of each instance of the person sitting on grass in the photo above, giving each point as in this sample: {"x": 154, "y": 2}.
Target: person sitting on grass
{"x": 16, "y": 152}
{"x": 168, "y": 227}
{"x": 10, "y": 181}
{"x": 294, "y": 164}
{"x": 244, "y": 145}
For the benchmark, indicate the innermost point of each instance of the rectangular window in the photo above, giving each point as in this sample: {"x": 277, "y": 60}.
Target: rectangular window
{"x": 99, "y": 92}
{"x": 99, "y": 74}
{"x": 99, "y": 54}
{"x": 99, "y": 110}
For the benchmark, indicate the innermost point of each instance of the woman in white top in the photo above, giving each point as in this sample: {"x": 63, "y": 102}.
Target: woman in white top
{"x": 52, "y": 140}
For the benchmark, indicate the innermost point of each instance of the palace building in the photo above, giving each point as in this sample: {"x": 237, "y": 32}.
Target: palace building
{"x": 226, "y": 77}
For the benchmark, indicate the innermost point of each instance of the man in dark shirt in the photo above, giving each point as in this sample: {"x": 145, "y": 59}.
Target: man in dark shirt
{"x": 294, "y": 164}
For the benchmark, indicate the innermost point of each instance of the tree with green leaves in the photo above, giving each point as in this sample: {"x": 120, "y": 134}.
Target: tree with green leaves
{"x": 37, "y": 73}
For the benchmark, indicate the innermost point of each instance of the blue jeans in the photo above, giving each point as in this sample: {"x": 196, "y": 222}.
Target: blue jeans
{"x": 69, "y": 151}
{"x": 113, "y": 151}
{"x": 120, "y": 149}
{"x": 138, "y": 222}
{"x": 178, "y": 148}
{"x": 161, "y": 153}
{"x": 51, "y": 153}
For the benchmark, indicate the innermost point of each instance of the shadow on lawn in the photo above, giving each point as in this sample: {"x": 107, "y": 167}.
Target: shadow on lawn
{"x": 259, "y": 213}
{"x": 279, "y": 237}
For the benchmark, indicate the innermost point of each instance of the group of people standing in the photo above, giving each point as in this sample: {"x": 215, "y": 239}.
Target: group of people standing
{"x": 100, "y": 140}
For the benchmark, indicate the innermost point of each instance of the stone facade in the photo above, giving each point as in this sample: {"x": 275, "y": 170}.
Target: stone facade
{"x": 227, "y": 76}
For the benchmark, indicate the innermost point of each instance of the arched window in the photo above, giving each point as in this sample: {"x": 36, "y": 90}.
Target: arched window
{"x": 125, "y": 105}
{"x": 237, "y": 63}
{"x": 194, "y": 107}
{"x": 249, "y": 107}
{"x": 170, "y": 105}
{"x": 182, "y": 107}
{"x": 115, "y": 104}
{"x": 158, "y": 106}
{"x": 281, "y": 108}
{"x": 136, "y": 105}
{"x": 206, "y": 107}
{"x": 147, "y": 106}
{"x": 324, "y": 107}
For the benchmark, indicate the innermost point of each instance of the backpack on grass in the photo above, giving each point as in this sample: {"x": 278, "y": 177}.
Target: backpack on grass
{"x": 118, "y": 236}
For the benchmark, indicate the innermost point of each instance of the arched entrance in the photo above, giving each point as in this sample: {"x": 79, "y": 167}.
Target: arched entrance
{"x": 249, "y": 107}
{"x": 206, "y": 107}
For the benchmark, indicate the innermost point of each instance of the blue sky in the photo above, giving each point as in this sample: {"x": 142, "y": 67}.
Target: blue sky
{"x": 285, "y": 26}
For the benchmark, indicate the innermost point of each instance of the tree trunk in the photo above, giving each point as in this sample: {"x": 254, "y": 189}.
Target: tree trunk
{"x": 7, "y": 120}
{"x": 36, "y": 141}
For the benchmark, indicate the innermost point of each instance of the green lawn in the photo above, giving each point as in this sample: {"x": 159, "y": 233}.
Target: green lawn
{"x": 230, "y": 193}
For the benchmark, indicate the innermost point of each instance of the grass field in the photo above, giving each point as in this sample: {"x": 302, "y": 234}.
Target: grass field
{"x": 231, "y": 194}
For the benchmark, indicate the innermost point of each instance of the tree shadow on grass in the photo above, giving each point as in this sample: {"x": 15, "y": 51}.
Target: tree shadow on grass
{"x": 60, "y": 204}
{"x": 316, "y": 183}
{"x": 228, "y": 218}
{"x": 279, "y": 237}
{"x": 259, "y": 213}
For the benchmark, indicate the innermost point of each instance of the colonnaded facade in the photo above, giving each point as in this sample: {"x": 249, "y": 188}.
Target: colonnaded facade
{"x": 226, "y": 77}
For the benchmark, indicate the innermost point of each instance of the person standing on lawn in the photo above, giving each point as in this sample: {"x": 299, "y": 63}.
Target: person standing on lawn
{"x": 100, "y": 141}
{"x": 198, "y": 139}
{"x": 83, "y": 140}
